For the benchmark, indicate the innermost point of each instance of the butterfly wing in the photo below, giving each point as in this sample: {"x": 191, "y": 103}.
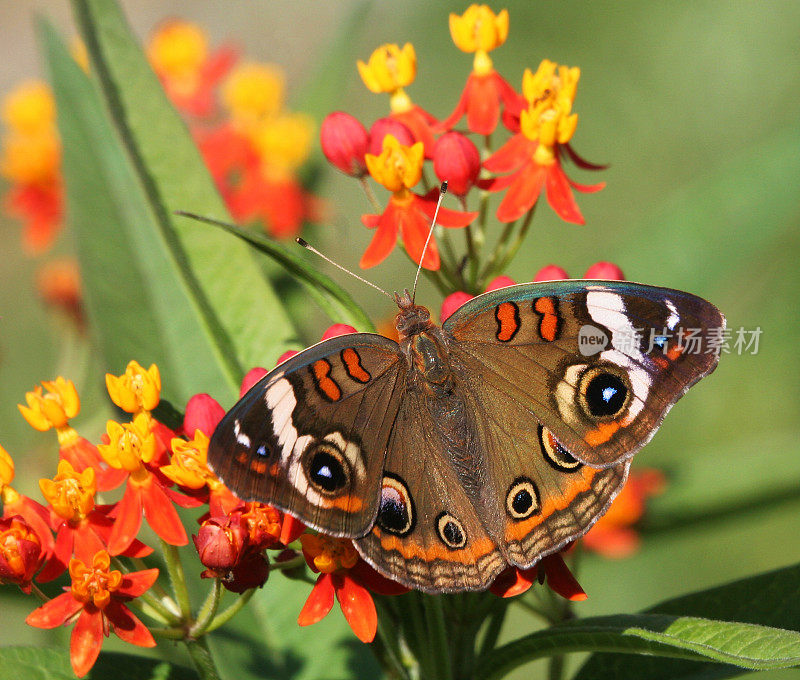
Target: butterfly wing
{"x": 428, "y": 534}
{"x": 310, "y": 437}
{"x": 526, "y": 347}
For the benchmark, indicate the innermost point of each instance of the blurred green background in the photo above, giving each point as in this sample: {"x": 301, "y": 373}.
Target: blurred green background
{"x": 695, "y": 107}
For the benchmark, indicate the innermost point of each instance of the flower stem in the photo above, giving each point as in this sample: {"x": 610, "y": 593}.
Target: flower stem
{"x": 160, "y": 607}
{"x": 511, "y": 251}
{"x": 207, "y": 611}
{"x": 178, "y": 578}
{"x": 37, "y": 591}
{"x": 226, "y": 615}
{"x": 376, "y": 206}
{"x": 438, "y": 638}
{"x": 202, "y": 659}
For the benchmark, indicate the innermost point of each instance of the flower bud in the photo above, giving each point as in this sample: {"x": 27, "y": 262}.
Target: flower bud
{"x": 604, "y": 270}
{"x": 452, "y": 302}
{"x": 203, "y": 413}
{"x": 251, "y": 572}
{"x": 457, "y": 160}
{"x": 221, "y": 542}
{"x": 551, "y": 273}
{"x": 337, "y": 329}
{"x": 500, "y": 282}
{"x": 388, "y": 126}
{"x": 344, "y": 142}
{"x": 254, "y": 375}
{"x": 20, "y": 552}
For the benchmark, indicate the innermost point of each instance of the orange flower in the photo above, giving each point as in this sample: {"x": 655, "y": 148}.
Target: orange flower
{"x": 613, "y": 535}
{"x": 20, "y": 552}
{"x": 552, "y": 569}
{"x": 480, "y": 30}
{"x": 399, "y": 168}
{"x": 58, "y": 284}
{"x": 96, "y": 603}
{"x": 533, "y": 155}
{"x": 344, "y": 574}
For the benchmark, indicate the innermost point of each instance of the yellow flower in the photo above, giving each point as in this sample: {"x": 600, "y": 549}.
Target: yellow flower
{"x": 53, "y": 408}
{"x": 254, "y": 91}
{"x": 283, "y": 142}
{"x": 479, "y": 30}
{"x": 548, "y": 119}
{"x": 95, "y": 583}
{"x": 178, "y": 50}
{"x": 137, "y": 389}
{"x": 329, "y": 554}
{"x": 70, "y": 493}
{"x": 389, "y": 68}
{"x": 31, "y": 159}
{"x": 398, "y": 167}
{"x": 30, "y": 108}
{"x": 188, "y": 465}
{"x": 130, "y": 446}
{"x": 6, "y": 469}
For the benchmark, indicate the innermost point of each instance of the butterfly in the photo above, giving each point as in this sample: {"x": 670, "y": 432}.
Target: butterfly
{"x": 492, "y": 440}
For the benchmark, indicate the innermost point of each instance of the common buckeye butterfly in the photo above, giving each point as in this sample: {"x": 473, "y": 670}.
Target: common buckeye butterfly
{"x": 488, "y": 441}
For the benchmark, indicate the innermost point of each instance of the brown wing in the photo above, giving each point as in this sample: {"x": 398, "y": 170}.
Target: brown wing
{"x": 428, "y": 534}
{"x": 310, "y": 437}
{"x": 530, "y": 346}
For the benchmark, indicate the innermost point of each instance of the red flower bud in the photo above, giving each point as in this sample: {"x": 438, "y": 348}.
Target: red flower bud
{"x": 338, "y": 329}
{"x": 452, "y": 302}
{"x": 221, "y": 542}
{"x": 500, "y": 282}
{"x": 457, "y": 160}
{"x": 254, "y": 375}
{"x": 604, "y": 270}
{"x": 20, "y": 552}
{"x": 388, "y": 126}
{"x": 251, "y": 572}
{"x": 202, "y": 413}
{"x": 344, "y": 142}
{"x": 550, "y": 273}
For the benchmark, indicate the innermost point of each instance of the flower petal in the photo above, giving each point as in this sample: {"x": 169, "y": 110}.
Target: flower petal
{"x": 414, "y": 228}
{"x": 560, "y": 196}
{"x": 319, "y": 602}
{"x": 523, "y": 192}
{"x": 85, "y": 641}
{"x": 452, "y": 302}
{"x": 383, "y": 241}
{"x": 127, "y": 627}
{"x": 162, "y": 516}
{"x": 128, "y": 520}
{"x": 357, "y": 606}
{"x": 137, "y": 582}
{"x": 203, "y": 413}
{"x": 55, "y": 612}
{"x": 579, "y": 160}
{"x": 377, "y": 583}
{"x": 560, "y": 578}
{"x": 513, "y": 581}
{"x": 511, "y": 156}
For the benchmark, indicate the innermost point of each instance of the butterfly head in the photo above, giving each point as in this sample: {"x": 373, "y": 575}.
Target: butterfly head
{"x": 411, "y": 319}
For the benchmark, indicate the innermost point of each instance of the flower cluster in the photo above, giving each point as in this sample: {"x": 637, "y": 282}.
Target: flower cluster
{"x": 236, "y": 110}
{"x": 538, "y": 118}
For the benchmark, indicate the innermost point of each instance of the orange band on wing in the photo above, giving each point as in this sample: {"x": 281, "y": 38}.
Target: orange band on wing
{"x": 548, "y": 325}
{"x": 352, "y": 364}
{"x": 410, "y": 550}
{"x": 507, "y": 315}
{"x": 347, "y": 503}
{"x": 326, "y": 385}
{"x": 578, "y": 484}
{"x": 602, "y": 433}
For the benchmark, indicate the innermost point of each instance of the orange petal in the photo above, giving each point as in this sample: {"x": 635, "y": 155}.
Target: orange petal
{"x": 414, "y": 231}
{"x": 357, "y": 607}
{"x": 319, "y": 602}
{"x": 127, "y": 627}
{"x": 137, "y": 582}
{"x": 85, "y": 641}
{"x": 55, "y": 612}
{"x": 523, "y": 193}
{"x": 560, "y": 196}
{"x": 511, "y": 156}
{"x": 483, "y": 105}
{"x": 512, "y": 581}
{"x": 560, "y": 578}
{"x": 128, "y": 520}
{"x": 383, "y": 241}
{"x": 162, "y": 516}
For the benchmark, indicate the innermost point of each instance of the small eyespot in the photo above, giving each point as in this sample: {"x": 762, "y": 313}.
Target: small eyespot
{"x": 396, "y": 513}
{"x": 522, "y": 499}
{"x": 604, "y": 393}
{"x": 451, "y": 531}
{"x": 555, "y": 453}
{"x": 326, "y": 468}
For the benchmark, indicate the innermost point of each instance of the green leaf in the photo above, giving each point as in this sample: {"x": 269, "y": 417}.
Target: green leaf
{"x": 330, "y": 296}
{"x": 768, "y": 599}
{"x": 35, "y": 663}
{"x": 682, "y": 637}
{"x": 238, "y": 309}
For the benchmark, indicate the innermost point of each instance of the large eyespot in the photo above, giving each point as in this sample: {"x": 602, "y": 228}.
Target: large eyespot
{"x": 326, "y": 468}
{"x": 604, "y": 392}
{"x": 451, "y": 531}
{"x": 396, "y": 513}
{"x": 522, "y": 499}
{"x": 555, "y": 453}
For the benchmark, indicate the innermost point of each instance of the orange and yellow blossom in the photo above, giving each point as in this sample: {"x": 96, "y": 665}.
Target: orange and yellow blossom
{"x": 137, "y": 389}
{"x": 70, "y": 493}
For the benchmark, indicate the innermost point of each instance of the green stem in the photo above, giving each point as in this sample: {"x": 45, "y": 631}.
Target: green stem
{"x": 492, "y": 632}
{"x": 500, "y": 247}
{"x": 437, "y": 637}
{"x": 37, "y": 591}
{"x": 168, "y": 633}
{"x": 202, "y": 659}
{"x": 555, "y": 667}
{"x": 161, "y": 608}
{"x": 178, "y": 578}
{"x": 207, "y": 611}
{"x": 515, "y": 246}
{"x": 387, "y": 642}
{"x": 376, "y": 206}
{"x": 227, "y": 614}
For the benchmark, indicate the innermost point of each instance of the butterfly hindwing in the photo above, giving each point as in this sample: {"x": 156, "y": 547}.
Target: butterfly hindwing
{"x": 310, "y": 437}
{"x": 603, "y": 399}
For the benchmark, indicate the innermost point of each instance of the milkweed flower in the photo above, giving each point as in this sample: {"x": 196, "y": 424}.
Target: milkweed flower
{"x": 390, "y": 69}
{"x": 550, "y": 569}
{"x": 344, "y": 142}
{"x": 398, "y": 169}
{"x": 21, "y": 552}
{"x": 95, "y": 603}
{"x": 533, "y": 156}
{"x": 480, "y": 30}
{"x": 345, "y": 576}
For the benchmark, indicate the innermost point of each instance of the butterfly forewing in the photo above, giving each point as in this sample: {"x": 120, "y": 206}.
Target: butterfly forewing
{"x": 599, "y": 362}
{"x": 310, "y": 437}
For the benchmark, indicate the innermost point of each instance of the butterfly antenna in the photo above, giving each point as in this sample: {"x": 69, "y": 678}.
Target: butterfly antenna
{"x": 442, "y": 192}
{"x": 307, "y": 246}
